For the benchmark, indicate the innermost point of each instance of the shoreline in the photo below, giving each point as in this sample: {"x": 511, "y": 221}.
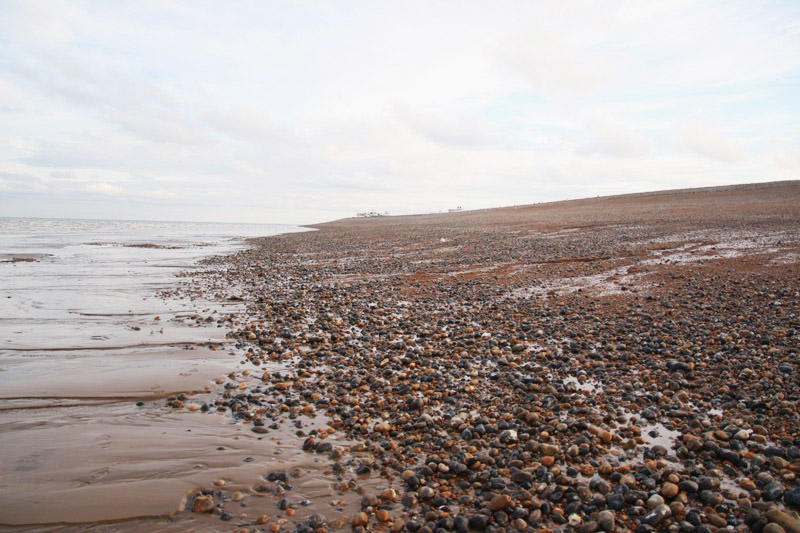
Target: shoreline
{"x": 538, "y": 368}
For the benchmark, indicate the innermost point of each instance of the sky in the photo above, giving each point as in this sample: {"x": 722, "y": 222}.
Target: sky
{"x": 308, "y": 111}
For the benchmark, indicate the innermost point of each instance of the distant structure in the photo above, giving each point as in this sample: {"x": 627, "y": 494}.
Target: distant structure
{"x": 456, "y": 210}
{"x": 372, "y": 214}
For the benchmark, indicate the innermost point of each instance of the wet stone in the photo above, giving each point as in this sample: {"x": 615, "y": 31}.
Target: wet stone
{"x": 203, "y": 504}
{"x": 772, "y": 491}
{"x": 792, "y": 498}
{"x": 654, "y": 517}
{"x": 478, "y": 522}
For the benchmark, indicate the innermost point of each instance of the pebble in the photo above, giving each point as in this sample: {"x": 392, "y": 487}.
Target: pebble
{"x": 203, "y": 504}
{"x": 478, "y": 522}
{"x": 792, "y": 497}
{"x": 360, "y": 519}
{"x": 783, "y": 519}
{"x": 606, "y": 520}
{"x": 772, "y": 491}
{"x": 460, "y": 395}
{"x": 669, "y": 490}
{"x": 499, "y": 502}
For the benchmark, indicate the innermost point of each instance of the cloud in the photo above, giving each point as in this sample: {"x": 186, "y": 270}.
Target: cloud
{"x": 301, "y": 111}
{"x": 705, "y": 142}
{"x": 552, "y": 63}
{"x": 450, "y": 129}
{"x": 787, "y": 161}
{"x": 156, "y": 129}
{"x": 106, "y": 189}
{"x": 246, "y": 124}
{"x": 21, "y": 182}
{"x": 612, "y": 139}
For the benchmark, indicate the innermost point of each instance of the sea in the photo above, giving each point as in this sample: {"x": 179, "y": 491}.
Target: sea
{"x": 98, "y": 326}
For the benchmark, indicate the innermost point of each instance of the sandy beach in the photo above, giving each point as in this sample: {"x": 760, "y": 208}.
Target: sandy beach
{"x": 619, "y": 363}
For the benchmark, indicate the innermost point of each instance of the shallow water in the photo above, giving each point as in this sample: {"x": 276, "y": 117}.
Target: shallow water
{"x": 94, "y": 317}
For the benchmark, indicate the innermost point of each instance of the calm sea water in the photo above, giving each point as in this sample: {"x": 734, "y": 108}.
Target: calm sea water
{"x": 76, "y": 294}
{"x": 97, "y": 327}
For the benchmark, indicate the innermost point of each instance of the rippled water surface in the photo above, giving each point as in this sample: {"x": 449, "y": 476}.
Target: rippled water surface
{"x": 94, "y": 316}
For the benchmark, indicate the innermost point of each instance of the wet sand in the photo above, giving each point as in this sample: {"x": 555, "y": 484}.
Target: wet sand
{"x": 612, "y": 364}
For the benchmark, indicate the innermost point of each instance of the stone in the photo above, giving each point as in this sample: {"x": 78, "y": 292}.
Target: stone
{"x": 478, "y": 522}
{"x": 606, "y": 520}
{"x": 549, "y": 450}
{"x": 669, "y": 490}
{"x": 203, "y": 504}
{"x": 654, "y": 517}
{"x": 360, "y": 519}
{"x": 783, "y": 519}
{"x": 792, "y": 497}
{"x": 654, "y": 501}
{"x": 499, "y": 502}
{"x": 772, "y": 491}
{"x": 460, "y": 523}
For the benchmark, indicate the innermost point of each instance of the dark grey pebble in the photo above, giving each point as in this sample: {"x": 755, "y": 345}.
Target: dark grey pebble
{"x": 772, "y": 491}
{"x": 478, "y": 521}
{"x": 792, "y": 497}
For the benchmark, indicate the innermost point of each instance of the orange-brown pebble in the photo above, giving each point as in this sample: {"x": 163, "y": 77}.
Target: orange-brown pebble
{"x": 747, "y": 484}
{"x": 389, "y": 495}
{"x": 360, "y": 519}
{"x": 669, "y": 490}
{"x": 261, "y": 520}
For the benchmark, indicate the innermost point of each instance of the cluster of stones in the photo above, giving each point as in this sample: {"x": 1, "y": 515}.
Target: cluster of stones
{"x": 674, "y": 409}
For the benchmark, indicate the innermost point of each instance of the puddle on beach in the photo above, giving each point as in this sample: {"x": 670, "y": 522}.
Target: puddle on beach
{"x": 136, "y": 466}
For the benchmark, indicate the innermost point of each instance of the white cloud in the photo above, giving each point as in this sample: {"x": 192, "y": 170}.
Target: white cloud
{"x": 305, "y": 111}
{"x": 613, "y": 139}
{"x": 106, "y": 189}
{"x": 787, "y": 161}
{"x": 453, "y": 129}
{"x": 705, "y": 142}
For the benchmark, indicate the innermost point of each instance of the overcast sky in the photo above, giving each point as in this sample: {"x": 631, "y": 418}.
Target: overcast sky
{"x": 306, "y": 111}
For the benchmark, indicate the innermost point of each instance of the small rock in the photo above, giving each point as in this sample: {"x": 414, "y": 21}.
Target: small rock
{"x": 499, "y": 502}
{"x": 478, "y": 521}
{"x": 460, "y": 523}
{"x": 654, "y": 517}
{"x": 792, "y": 497}
{"x": 606, "y": 519}
{"x": 549, "y": 450}
{"x": 203, "y": 504}
{"x": 654, "y": 501}
{"x": 669, "y": 490}
{"x": 772, "y": 491}
{"x": 783, "y": 519}
{"x": 360, "y": 519}
{"x": 389, "y": 495}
